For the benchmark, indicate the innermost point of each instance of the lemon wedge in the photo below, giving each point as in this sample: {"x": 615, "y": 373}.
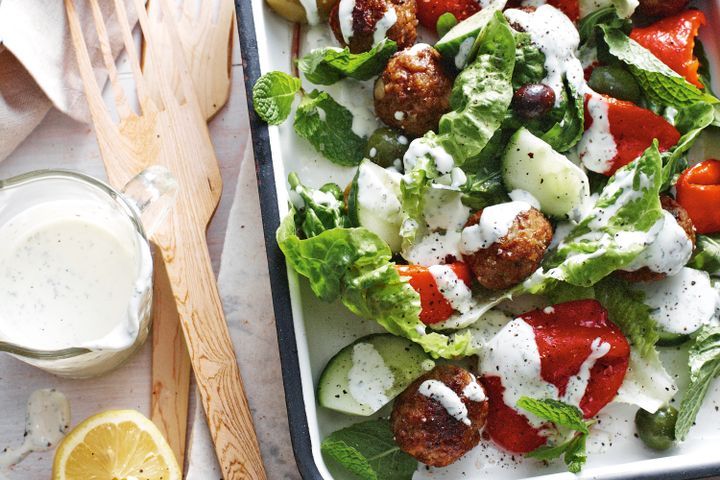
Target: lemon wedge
{"x": 115, "y": 445}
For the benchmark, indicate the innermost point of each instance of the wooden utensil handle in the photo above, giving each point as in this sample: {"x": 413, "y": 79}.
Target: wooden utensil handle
{"x": 212, "y": 355}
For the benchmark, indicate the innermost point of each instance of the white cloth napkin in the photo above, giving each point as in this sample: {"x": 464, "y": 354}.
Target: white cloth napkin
{"x": 38, "y": 68}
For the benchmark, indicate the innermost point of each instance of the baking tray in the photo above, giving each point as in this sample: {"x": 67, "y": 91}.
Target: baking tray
{"x": 265, "y": 41}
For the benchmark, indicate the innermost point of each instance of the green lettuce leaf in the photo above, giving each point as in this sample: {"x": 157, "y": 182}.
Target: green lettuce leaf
{"x": 658, "y": 81}
{"x": 690, "y": 121}
{"x": 321, "y": 209}
{"x": 484, "y": 189}
{"x": 608, "y": 16}
{"x": 707, "y": 254}
{"x": 325, "y": 66}
{"x": 353, "y": 265}
{"x": 616, "y": 229}
{"x": 369, "y": 451}
{"x": 273, "y": 95}
{"x": 568, "y": 131}
{"x": 529, "y": 61}
{"x": 704, "y": 362}
{"x": 327, "y": 125}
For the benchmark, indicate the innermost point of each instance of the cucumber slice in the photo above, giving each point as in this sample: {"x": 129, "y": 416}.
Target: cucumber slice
{"x": 374, "y": 202}
{"x": 668, "y": 339}
{"x": 530, "y": 164}
{"x": 368, "y": 373}
{"x": 456, "y": 45}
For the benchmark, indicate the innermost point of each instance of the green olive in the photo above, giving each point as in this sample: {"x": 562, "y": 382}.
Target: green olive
{"x": 657, "y": 430}
{"x": 385, "y": 146}
{"x": 616, "y": 82}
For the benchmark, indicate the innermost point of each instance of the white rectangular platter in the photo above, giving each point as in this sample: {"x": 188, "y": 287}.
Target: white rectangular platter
{"x": 311, "y": 332}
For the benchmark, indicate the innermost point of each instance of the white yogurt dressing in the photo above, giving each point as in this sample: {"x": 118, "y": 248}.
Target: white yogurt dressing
{"x": 597, "y": 147}
{"x": 558, "y": 39}
{"x": 512, "y": 354}
{"x": 69, "y": 274}
{"x": 311, "y": 11}
{"x": 369, "y": 377}
{"x": 47, "y": 419}
{"x": 494, "y": 224}
{"x": 519, "y": 195}
{"x": 345, "y": 14}
{"x": 682, "y": 303}
{"x": 625, "y": 8}
{"x": 422, "y": 148}
{"x": 474, "y": 392}
{"x": 445, "y": 396}
{"x": 454, "y": 290}
{"x": 669, "y": 250}
{"x": 385, "y": 23}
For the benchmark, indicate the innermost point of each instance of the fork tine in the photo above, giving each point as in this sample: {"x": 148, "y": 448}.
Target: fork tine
{"x": 122, "y": 19}
{"x": 121, "y": 102}
{"x": 188, "y": 89}
{"x": 92, "y": 90}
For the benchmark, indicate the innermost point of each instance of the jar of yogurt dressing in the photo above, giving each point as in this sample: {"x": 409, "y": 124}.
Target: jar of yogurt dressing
{"x": 75, "y": 268}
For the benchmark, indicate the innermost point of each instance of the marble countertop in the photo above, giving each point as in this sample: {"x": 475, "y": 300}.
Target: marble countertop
{"x": 238, "y": 253}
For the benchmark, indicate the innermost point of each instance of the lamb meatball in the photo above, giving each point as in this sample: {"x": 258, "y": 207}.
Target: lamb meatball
{"x": 425, "y": 429}
{"x": 661, "y": 8}
{"x": 683, "y": 219}
{"x": 512, "y": 258}
{"x": 414, "y": 90}
{"x": 365, "y": 17}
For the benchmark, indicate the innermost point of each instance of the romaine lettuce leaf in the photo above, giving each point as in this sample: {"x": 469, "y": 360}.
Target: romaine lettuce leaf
{"x": 318, "y": 210}
{"x": 353, "y": 264}
{"x": 658, "y": 81}
{"x": 707, "y": 254}
{"x": 615, "y": 231}
{"x": 647, "y": 384}
{"x": 568, "y": 131}
{"x": 325, "y": 66}
{"x": 529, "y": 61}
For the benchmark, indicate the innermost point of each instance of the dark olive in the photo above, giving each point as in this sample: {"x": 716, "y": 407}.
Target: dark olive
{"x": 533, "y": 100}
{"x": 657, "y": 430}
{"x": 661, "y": 8}
{"x": 386, "y": 146}
{"x": 616, "y": 82}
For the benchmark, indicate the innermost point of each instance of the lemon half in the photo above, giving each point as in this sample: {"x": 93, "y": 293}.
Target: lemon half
{"x": 115, "y": 445}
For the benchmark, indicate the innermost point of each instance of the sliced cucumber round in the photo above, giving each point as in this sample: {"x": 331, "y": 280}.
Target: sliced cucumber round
{"x": 457, "y": 44}
{"x": 368, "y": 373}
{"x": 530, "y": 164}
{"x": 374, "y": 202}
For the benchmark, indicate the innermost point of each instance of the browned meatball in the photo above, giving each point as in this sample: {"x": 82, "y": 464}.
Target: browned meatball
{"x": 645, "y": 274}
{"x": 661, "y": 8}
{"x": 422, "y": 425}
{"x": 367, "y": 13}
{"x": 413, "y": 91}
{"x": 515, "y": 256}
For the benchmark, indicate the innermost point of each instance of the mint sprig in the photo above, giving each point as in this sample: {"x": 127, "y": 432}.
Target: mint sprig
{"x": 273, "y": 95}
{"x": 369, "y": 451}
{"x": 562, "y": 415}
{"x": 325, "y": 66}
{"x": 704, "y": 362}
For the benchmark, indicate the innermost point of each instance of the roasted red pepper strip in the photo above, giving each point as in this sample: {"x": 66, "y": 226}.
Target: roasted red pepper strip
{"x": 672, "y": 40}
{"x": 428, "y": 11}
{"x": 634, "y": 129}
{"x": 698, "y": 191}
{"x": 564, "y": 335}
{"x": 435, "y": 307}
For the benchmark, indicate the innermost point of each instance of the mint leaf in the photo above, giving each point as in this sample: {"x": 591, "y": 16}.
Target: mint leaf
{"x": 369, "y": 451}
{"x": 325, "y": 66}
{"x": 554, "y": 411}
{"x": 575, "y": 454}
{"x": 327, "y": 125}
{"x": 707, "y": 254}
{"x": 704, "y": 362}
{"x": 658, "y": 81}
{"x": 445, "y": 23}
{"x": 273, "y": 96}
{"x": 626, "y": 309}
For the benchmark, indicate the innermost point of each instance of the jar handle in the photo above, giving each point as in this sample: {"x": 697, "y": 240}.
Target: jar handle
{"x": 152, "y": 193}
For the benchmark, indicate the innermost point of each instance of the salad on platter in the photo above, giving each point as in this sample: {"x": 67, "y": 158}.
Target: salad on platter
{"x": 526, "y": 220}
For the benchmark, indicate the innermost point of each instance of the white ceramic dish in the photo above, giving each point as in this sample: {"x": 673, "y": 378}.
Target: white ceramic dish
{"x": 311, "y": 332}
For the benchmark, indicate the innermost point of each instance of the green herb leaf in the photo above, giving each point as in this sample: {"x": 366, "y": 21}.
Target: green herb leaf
{"x": 554, "y": 411}
{"x": 325, "y": 66}
{"x": 707, "y": 254}
{"x": 567, "y": 132}
{"x": 321, "y": 209}
{"x": 626, "y": 308}
{"x": 369, "y": 451}
{"x": 484, "y": 189}
{"x": 704, "y": 362}
{"x": 529, "y": 61}
{"x": 658, "y": 81}
{"x": 575, "y": 454}
{"x": 273, "y": 96}
{"x": 445, "y": 23}
{"x": 327, "y": 125}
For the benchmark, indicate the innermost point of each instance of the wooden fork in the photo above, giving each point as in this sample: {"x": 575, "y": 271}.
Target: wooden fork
{"x": 172, "y": 132}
